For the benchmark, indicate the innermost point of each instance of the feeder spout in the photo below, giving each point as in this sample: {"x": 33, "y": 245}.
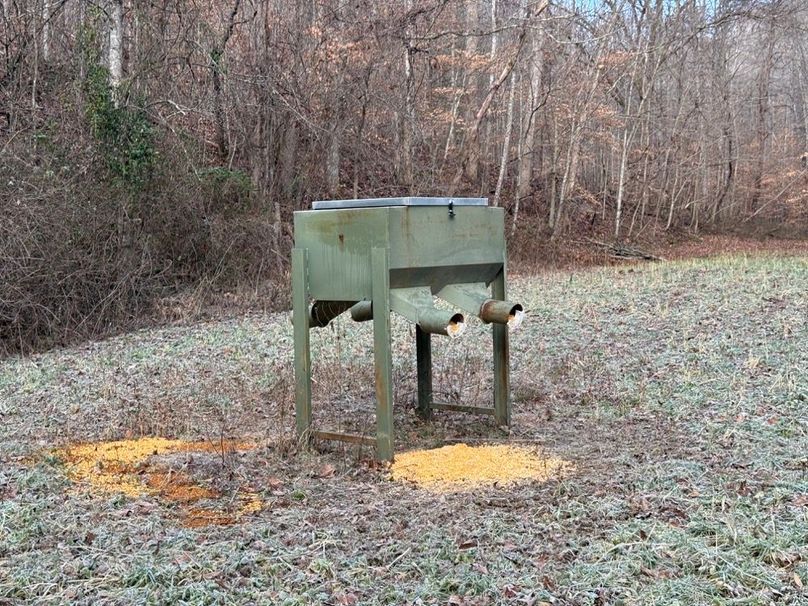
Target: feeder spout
{"x": 502, "y": 312}
{"x": 475, "y": 299}
{"x": 362, "y": 311}
{"x": 416, "y": 304}
{"x": 322, "y": 312}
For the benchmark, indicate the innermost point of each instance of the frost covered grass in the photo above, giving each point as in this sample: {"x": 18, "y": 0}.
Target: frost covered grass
{"x": 679, "y": 392}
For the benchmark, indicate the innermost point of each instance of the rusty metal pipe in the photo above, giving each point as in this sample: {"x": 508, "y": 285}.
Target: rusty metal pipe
{"x": 322, "y": 312}
{"x": 475, "y": 299}
{"x": 440, "y": 322}
{"x": 362, "y": 311}
{"x": 415, "y": 304}
{"x": 501, "y": 312}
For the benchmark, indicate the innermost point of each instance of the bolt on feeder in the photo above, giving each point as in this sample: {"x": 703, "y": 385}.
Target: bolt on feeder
{"x": 377, "y": 256}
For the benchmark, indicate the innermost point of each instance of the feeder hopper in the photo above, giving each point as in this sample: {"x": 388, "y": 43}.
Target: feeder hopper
{"x": 373, "y": 257}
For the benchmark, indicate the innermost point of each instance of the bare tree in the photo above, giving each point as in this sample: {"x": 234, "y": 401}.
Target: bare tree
{"x": 607, "y": 119}
{"x": 116, "y": 47}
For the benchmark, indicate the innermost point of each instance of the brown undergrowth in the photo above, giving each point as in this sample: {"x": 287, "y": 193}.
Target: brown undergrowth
{"x": 138, "y": 467}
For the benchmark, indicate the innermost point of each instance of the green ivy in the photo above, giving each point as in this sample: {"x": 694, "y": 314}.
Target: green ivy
{"x": 219, "y": 176}
{"x": 125, "y": 136}
{"x": 227, "y": 189}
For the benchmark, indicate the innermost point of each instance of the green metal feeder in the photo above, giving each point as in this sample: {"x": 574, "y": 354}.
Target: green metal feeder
{"x": 371, "y": 257}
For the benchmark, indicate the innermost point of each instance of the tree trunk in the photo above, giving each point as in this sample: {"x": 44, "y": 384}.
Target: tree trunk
{"x": 360, "y": 131}
{"x": 455, "y": 113}
{"x": 472, "y": 161}
{"x": 639, "y": 209}
{"x": 673, "y": 196}
{"x": 46, "y": 5}
{"x": 803, "y": 93}
{"x": 116, "y": 48}
{"x": 552, "y": 175}
{"x": 494, "y": 41}
{"x": 506, "y": 144}
{"x": 473, "y": 136}
{"x": 222, "y": 144}
{"x": 289, "y": 171}
{"x": 621, "y": 179}
{"x": 216, "y": 58}
{"x": 525, "y": 171}
{"x": 407, "y": 121}
{"x": 568, "y": 179}
{"x": 762, "y": 132}
{"x": 333, "y": 159}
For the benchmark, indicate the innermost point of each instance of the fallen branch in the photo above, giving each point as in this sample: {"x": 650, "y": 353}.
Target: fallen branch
{"x": 618, "y": 250}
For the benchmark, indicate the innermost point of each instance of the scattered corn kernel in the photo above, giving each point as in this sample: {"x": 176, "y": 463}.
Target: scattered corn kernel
{"x": 124, "y": 466}
{"x": 461, "y": 466}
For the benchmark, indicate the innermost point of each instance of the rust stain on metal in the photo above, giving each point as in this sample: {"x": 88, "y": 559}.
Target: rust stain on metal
{"x": 488, "y": 308}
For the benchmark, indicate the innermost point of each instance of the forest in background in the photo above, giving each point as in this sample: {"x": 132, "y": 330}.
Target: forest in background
{"x": 153, "y": 146}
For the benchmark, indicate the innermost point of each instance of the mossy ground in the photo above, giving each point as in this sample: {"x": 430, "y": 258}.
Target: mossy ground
{"x": 679, "y": 392}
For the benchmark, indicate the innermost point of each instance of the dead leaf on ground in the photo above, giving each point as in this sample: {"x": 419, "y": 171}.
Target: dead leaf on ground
{"x": 800, "y": 500}
{"x": 326, "y": 471}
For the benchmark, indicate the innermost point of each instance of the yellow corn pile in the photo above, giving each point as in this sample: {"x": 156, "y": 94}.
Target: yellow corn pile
{"x": 125, "y": 466}
{"x": 460, "y": 466}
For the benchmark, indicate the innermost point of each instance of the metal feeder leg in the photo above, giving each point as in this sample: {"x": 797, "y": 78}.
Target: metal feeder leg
{"x": 300, "y": 317}
{"x": 423, "y": 355}
{"x": 502, "y": 403}
{"x": 383, "y": 358}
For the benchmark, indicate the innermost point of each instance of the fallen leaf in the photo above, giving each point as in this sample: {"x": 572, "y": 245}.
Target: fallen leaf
{"x": 326, "y": 471}
{"x": 800, "y": 500}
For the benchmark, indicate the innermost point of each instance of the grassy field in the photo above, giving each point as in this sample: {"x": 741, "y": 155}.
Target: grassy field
{"x": 679, "y": 392}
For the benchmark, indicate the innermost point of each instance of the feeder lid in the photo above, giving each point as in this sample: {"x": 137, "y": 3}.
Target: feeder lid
{"x": 408, "y": 201}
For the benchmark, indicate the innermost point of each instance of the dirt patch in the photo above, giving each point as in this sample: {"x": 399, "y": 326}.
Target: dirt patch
{"x": 133, "y": 468}
{"x": 462, "y": 467}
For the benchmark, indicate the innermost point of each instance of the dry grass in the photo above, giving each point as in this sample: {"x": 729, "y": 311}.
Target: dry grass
{"x": 677, "y": 390}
